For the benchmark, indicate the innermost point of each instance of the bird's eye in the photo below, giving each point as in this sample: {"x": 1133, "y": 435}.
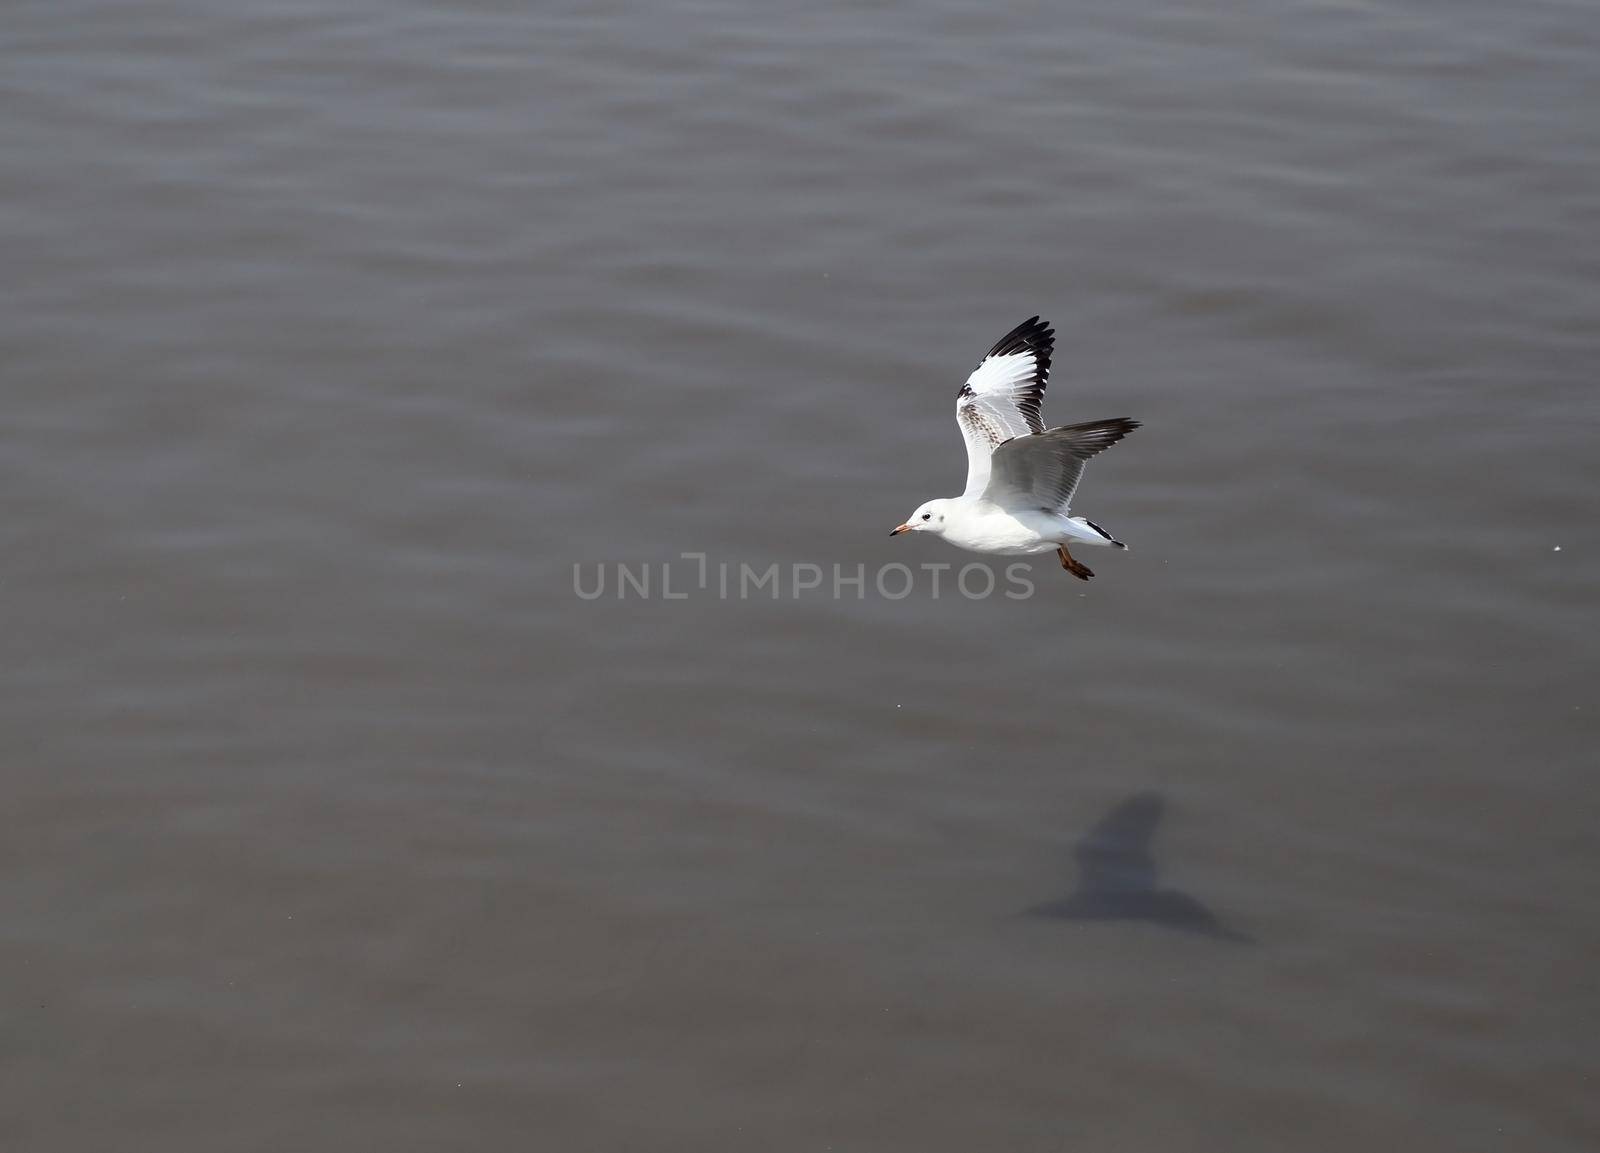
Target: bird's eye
{"x": 926, "y": 515}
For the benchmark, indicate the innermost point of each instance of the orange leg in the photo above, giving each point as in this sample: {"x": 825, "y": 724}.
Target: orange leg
{"x": 1077, "y": 568}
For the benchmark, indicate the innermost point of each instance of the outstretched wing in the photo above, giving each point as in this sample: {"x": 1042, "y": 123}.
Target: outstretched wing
{"x": 1042, "y": 470}
{"x": 1001, "y": 398}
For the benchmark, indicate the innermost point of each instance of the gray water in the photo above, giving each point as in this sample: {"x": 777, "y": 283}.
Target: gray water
{"x": 337, "y": 333}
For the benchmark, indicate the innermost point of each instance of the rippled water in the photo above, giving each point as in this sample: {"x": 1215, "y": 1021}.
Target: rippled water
{"x": 336, "y": 334}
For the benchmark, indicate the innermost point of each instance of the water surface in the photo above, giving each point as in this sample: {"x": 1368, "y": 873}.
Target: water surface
{"x": 336, "y": 333}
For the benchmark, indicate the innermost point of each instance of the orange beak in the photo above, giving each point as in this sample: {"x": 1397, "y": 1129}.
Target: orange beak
{"x": 901, "y": 529}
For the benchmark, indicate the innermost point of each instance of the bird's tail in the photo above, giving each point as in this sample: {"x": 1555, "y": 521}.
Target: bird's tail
{"x": 1110, "y": 540}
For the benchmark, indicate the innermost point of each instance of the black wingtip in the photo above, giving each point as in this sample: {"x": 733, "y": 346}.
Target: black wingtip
{"x": 1092, "y": 436}
{"x": 1032, "y": 333}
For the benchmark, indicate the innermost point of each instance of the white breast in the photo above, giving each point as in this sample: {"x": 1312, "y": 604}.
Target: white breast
{"x": 985, "y": 527}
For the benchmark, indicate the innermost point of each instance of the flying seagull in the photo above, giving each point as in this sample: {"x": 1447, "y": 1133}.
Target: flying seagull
{"x": 1020, "y": 475}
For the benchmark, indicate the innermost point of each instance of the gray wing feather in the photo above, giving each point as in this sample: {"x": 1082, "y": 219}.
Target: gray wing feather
{"x": 1043, "y": 469}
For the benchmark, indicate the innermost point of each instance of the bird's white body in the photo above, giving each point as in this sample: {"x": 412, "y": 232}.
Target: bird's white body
{"x": 1021, "y": 476}
{"x": 983, "y": 526}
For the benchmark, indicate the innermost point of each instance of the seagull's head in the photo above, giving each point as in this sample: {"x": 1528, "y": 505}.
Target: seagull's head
{"x": 928, "y": 518}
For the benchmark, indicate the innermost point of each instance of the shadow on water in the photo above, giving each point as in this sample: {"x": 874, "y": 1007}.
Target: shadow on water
{"x": 1117, "y": 877}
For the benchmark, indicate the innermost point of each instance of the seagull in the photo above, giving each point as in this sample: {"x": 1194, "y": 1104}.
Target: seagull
{"x": 1020, "y": 474}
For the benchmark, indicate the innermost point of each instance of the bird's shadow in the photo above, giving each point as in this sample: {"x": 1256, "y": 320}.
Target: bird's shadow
{"x": 1117, "y": 879}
